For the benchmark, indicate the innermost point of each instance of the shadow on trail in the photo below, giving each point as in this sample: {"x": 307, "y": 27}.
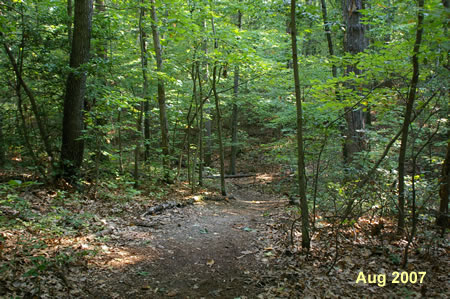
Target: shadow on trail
{"x": 210, "y": 249}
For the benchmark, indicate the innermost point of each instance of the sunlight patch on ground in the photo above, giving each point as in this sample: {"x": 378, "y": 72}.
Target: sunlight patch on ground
{"x": 112, "y": 256}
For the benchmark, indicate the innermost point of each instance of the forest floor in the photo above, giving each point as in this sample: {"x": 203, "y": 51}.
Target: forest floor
{"x": 240, "y": 246}
{"x": 216, "y": 247}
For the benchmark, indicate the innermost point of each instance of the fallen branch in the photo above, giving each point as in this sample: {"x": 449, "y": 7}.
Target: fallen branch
{"x": 166, "y": 205}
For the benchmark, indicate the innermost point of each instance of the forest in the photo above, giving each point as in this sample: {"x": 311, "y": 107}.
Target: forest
{"x": 224, "y": 149}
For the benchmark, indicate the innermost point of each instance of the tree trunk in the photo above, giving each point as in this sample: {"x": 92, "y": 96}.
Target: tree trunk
{"x": 219, "y": 133}
{"x": 444, "y": 190}
{"x": 138, "y": 146}
{"x": 301, "y": 154}
{"x": 102, "y": 47}
{"x": 119, "y": 121}
{"x": 200, "y": 128}
{"x": 208, "y": 124}
{"x": 144, "y": 64}
{"x": 161, "y": 93}
{"x": 69, "y": 21}
{"x": 33, "y": 101}
{"x": 407, "y": 121}
{"x": 219, "y": 119}
{"x": 327, "y": 28}
{"x": 2, "y": 142}
{"x": 72, "y": 140}
{"x": 354, "y": 43}
{"x": 234, "y": 116}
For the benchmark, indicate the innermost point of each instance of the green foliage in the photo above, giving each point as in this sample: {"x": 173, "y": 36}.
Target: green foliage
{"x": 37, "y": 34}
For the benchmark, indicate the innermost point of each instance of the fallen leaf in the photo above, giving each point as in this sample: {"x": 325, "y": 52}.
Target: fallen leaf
{"x": 172, "y": 294}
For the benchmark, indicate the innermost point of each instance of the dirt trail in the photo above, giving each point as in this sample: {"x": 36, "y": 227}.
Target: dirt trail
{"x": 210, "y": 250}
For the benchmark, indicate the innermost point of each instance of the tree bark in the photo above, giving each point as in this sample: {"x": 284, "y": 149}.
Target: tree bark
{"x": 207, "y": 152}
{"x": 219, "y": 133}
{"x": 161, "y": 93}
{"x": 218, "y": 118}
{"x": 200, "y": 128}
{"x": 144, "y": 65}
{"x": 327, "y": 28}
{"x": 2, "y": 142}
{"x": 444, "y": 190}
{"x": 300, "y": 151}
{"x": 354, "y": 43}
{"x": 72, "y": 147}
{"x": 234, "y": 116}
{"x": 69, "y": 21}
{"x": 407, "y": 120}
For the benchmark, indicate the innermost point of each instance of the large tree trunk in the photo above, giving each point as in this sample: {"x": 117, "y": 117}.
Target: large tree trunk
{"x": 301, "y": 154}
{"x": 354, "y": 43}
{"x": 407, "y": 121}
{"x": 234, "y": 116}
{"x": 72, "y": 140}
{"x": 161, "y": 93}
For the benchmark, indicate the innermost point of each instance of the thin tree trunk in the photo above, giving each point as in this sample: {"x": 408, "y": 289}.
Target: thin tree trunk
{"x": 208, "y": 123}
{"x": 444, "y": 190}
{"x": 69, "y": 21}
{"x": 219, "y": 120}
{"x": 301, "y": 155}
{"x": 2, "y": 142}
{"x": 24, "y": 130}
{"x": 327, "y": 28}
{"x": 234, "y": 116}
{"x": 219, "y": 133}
{"x": 144, "y": 64}
{"x": 72, "y": 147}
{"x": 33, "y": 101}
{"x": 119, "y": 121}
{"x": 102, "y": 46}
{"x": 200, "y": 131}
{"x": 161, "y": 93}
{"x": 138, "y": 146}
{"x": 407, "y": 120}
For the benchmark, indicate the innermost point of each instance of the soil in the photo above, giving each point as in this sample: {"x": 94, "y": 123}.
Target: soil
{"x": 211, "y": 249}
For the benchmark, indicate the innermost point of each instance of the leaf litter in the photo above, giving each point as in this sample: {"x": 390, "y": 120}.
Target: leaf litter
{"x": 240, "y": 248}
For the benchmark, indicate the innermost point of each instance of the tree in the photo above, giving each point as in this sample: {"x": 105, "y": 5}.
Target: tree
{"x": 354, "y": 42}
{"x": 2, "y": 143}
{"x": 300, "y": 150}
{"x": 161, "y": 92}
{"x": 407, "y": 119}
{"x": 234, "y": 116}
{"x": 218, "y": 116}
{"x": 72, "y": 147}
{"x": 444, "y": 190}
{"x": 144, "y": 63}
